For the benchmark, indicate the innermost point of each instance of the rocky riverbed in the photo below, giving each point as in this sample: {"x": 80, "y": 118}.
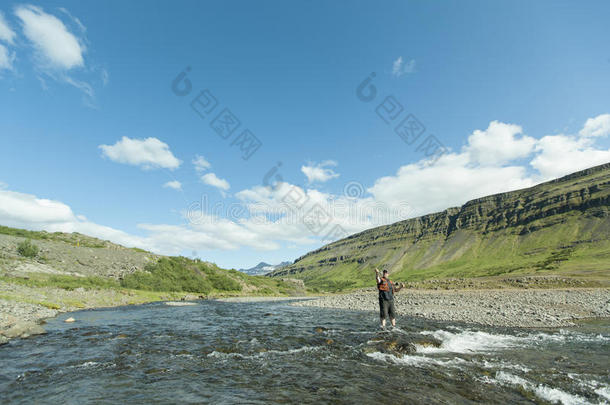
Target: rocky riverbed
{"x": 23, "y": 309}
{"x": 514, "y": 308}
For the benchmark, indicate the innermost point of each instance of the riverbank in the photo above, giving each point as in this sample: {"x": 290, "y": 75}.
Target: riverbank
{"x": 512, "y": 308}
{"x": 23, "y": 309}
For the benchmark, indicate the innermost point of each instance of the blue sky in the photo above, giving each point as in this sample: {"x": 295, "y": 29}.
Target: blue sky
{"x": 95, "y": 140}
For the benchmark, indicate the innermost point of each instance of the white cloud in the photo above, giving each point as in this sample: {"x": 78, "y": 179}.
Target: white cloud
{"x": 175, "y": 184}
{"x": 484, "y": 167}
{"x": 56, "y": 46}
{"x": 498, "y": 144}
{"x": 6, "y": 58}
{"x": 212, "y": 180}
{"x": 25, "y": 210}
{"x": 562, "y": 154}
{"x": 146, "y": 153}
{"x": 6, "y": 33}
{"x": 59, "y": 52}
{"x": 281, "y": 212}
{"x": 450, "y": 182}
{"x": 400, "y": 68}
{"x": 319, "y": 172}
{"x": 201, "y": 164}
{"x": 176, "y": 238}
{"x": 596, "y": 127}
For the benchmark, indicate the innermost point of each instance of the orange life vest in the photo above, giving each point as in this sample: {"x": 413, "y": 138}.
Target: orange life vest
{"x": 385, "y": 284}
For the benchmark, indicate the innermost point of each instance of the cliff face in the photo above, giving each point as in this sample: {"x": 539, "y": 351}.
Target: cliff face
{"x": 518, "y": 231}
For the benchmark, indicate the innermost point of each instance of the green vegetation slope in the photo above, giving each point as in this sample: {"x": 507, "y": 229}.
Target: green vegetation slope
{"x": 71, "y": 261}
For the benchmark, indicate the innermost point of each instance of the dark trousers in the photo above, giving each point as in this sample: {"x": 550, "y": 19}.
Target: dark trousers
{"x": 386, "y": 308}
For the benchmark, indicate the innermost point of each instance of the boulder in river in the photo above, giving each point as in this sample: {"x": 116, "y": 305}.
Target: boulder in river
{"x": 70, "y": 320}
{"x": 428, "y": 341}
{"x": 395, "y": 345}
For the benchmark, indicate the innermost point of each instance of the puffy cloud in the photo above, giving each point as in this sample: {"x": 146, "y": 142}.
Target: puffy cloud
{"x": 56, "y": 46}
{"x": 215, "y": 235}
{"x": 562, "y": 154}
{"x": 6, "y": 33}
{"x": 18, "y": 209}
{"x": 59, "y": 52}
{"x": 400, "y": 68}
{"x": 30, "y": 212}
{"x": 596, "y": 127}
{"x": 498, "y": 144}
{"x": 483, "y": 167}
{"x": 450, "y": 182}
{"x": 201, "y": 164}
{"x": 175, "y": 184}
{"x": 319, "y": 172}
{"x": 480, "y": 168}
{"x": 212, "y": 180}
{"x": 287, "y": 212}
{"x": 146, "y": 153}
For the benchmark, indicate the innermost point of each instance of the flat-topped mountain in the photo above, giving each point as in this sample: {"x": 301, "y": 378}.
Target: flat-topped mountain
{"x": 558, "y": 227}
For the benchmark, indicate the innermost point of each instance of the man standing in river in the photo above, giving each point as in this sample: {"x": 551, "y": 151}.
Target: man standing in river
{"x": 387, "y": 289}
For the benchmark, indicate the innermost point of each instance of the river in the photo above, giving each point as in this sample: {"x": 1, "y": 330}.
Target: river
{"x": 271, "y": 352}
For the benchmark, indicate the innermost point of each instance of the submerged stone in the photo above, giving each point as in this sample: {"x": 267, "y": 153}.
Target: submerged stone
{"x": 23, "y": 330}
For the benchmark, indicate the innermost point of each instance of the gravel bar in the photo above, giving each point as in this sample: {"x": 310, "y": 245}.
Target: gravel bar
{"x": 513, "y": 308}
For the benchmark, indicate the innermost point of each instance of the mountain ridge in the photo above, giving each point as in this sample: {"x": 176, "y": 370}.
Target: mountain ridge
{"x": 263, "y": 268}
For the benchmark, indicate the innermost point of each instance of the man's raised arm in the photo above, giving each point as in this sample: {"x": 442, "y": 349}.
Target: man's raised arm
{"x": 377, "y": 277}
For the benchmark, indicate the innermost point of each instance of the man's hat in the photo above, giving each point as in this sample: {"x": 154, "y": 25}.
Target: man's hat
{"x": 385, "y": 271}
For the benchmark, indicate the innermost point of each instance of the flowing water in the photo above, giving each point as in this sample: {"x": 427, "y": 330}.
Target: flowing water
{"x": 270, "y": 352}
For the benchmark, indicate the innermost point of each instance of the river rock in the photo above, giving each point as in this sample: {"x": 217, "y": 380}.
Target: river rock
{"x": 179, "y": 303}
{"x": 70, "y": 320}
{"x": 396, "y": 346}
{"x": 23, "y": 330}
{"x": 428, "y": 341}
{"x": 3, "y": 340}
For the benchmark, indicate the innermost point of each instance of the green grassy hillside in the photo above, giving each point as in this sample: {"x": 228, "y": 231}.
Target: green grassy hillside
{"x": 71, "y": 261}
{"x": 560, "y": 227}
